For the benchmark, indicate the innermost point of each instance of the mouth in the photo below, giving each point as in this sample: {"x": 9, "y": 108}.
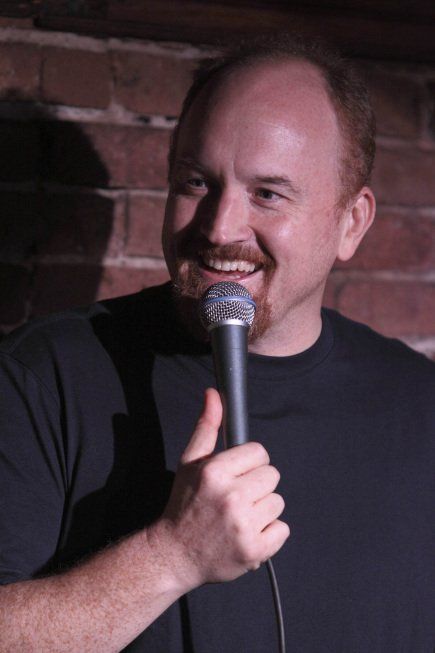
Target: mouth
{"x": 227, "y": 268}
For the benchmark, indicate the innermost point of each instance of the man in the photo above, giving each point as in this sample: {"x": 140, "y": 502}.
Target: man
{"x": 101, "y": 548}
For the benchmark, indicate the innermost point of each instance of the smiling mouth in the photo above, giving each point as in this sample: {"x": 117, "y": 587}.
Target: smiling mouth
{"x": 229, "y": 266}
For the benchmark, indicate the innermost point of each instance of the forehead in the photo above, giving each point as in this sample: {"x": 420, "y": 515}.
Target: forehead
{"x": 291, "y": 94}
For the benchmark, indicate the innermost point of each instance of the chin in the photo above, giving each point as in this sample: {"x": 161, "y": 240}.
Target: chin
{"x": 190, "y": 283}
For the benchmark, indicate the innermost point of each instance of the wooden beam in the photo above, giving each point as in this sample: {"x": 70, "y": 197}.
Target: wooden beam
{"x": 366, "y": 33}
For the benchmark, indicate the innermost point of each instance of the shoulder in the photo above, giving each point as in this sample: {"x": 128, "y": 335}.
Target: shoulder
{"x": 86, "y": 335}
{"x": 380, "y": 357}
{"x": 383, "y": 377}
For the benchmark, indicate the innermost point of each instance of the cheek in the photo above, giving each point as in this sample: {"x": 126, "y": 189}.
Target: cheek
{"x": 323, "y": 248}
{"x": 179, "y": 214}
{"x": 171, "y": 213}
{"x": 275, "y": 234}
{"x": 284, "y": 242}
{"x": 173, "y": 220}
{"x": 301, "y": 245}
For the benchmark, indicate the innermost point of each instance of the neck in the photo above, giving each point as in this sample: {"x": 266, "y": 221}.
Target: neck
{"x": 291, "y": 337}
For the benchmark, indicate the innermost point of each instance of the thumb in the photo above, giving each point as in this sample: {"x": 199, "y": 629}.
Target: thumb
{"x": 204, "y": 437}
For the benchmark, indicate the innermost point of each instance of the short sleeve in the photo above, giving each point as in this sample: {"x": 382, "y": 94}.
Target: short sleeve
{"x": 32, "y": 476}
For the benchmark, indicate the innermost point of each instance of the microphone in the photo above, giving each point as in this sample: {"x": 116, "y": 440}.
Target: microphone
{"x": 227, "y": 311}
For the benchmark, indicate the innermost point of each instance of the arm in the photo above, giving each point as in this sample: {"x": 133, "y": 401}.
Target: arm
{"x": 221, "y": 520}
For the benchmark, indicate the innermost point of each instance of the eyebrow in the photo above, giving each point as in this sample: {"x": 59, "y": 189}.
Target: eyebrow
{"x": 188, "y": 162}
{"x": 284, "y": 182}
{"x": 276, "y": 180}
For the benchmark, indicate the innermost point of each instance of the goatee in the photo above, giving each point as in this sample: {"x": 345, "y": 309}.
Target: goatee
{"x": 189, "y": 285}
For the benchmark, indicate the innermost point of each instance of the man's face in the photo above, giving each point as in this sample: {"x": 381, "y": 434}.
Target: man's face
{"x": 253, "y": 193}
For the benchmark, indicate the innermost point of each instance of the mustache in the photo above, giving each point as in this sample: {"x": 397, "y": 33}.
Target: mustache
{"x": 231, "y": 251}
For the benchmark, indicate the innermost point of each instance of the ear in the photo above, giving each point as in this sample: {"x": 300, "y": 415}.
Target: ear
{"x": 356, "y": 221}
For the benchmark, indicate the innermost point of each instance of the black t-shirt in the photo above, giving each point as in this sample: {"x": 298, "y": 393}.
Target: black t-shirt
{"x": 97, "y": 406}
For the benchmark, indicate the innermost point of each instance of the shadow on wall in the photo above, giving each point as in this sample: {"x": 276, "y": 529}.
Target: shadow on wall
{"x": 54, "y": 227}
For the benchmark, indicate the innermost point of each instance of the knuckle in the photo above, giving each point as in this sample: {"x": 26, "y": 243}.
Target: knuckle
{"x": 284, "y": 529}
{"x": 279, "y": 503}
{"x": 276, "y": 475}
{"x": 184, "y": 460}
{"x": 251, "y": 557}
{"x": 254, "y": 566}
{"x": 259, "y": 451}
{"x": 211, "y": 473}
{"x": 232, "y": 500}
{"x": 239, "y": 528}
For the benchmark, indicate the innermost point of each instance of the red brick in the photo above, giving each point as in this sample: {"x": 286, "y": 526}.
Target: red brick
{"x": 396, "y": 242}
{"x": 57, "y": 287}
{"x": 19, "y": 23}
{"x": 405, "y": 176}
{"x": 76, "y": 77}
{"x": 393, "y": 308}
{"x": 146, "y": 162}
{"x": 20, "y": 151}
{"x": 19, "y": 71}
{"x": 84, "y": 225}
{"x": 151, "y": 84}
{"x": 106, "y": 155}
{"x": 14, "y": 284}
{"x": 145, "y": 220}
{"x": 18, "y": 221}
{"x": 395, "y": 101}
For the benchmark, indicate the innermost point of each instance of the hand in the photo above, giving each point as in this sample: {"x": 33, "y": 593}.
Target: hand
{"x": 222, "y": 516}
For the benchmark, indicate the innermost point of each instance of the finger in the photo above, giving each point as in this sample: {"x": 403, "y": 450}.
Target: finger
{"x": 258, "y": 483}
{"x": 268, "y": 510}
{"x": 204, "y": 437}
{"x": 243, "y": 458}
{"x": 274, "y": 536}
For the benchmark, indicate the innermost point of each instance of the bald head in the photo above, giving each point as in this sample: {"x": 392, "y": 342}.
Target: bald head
{"x": 347, "y": 94}
{"x": 285, "y": 103}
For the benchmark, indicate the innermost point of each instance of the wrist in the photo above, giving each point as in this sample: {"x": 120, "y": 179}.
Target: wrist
{"x": 170, "y": 558}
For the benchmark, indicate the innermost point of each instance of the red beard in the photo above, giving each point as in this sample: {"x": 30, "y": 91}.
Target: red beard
{"x": 190, "y": 285}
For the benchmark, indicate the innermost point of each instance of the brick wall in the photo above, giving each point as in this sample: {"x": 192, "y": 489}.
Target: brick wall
{"x": 84, "y": 129}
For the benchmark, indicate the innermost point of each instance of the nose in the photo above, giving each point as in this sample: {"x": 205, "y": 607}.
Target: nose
{"x": 225, "y": 219}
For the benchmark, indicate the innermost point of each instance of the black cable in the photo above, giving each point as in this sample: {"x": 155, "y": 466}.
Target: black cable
{"x": 278, "y": 607}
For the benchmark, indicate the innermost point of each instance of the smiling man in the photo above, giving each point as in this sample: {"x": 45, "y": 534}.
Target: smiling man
{"x": 121, "y": 518}
{"x": 256, "y": 195}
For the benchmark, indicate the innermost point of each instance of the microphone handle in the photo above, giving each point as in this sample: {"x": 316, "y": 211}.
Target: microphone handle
{"x": 230, "y": 353}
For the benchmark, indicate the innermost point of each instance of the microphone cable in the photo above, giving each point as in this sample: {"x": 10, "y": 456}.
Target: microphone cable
{"x": 277, "y": 604}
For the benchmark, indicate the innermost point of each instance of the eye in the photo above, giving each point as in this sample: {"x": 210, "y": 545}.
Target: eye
{"x": 266, "y": 194}
{"x": 196, "y": 182}
{"x": 185, "y": 184}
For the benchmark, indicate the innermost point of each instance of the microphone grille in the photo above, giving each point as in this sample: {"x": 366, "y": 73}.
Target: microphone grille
{"x": 226, "y": 300}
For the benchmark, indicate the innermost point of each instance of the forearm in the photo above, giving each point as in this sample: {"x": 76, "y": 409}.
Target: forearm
{"x": 221, "y": 520}
{"x": 100, "y": 605}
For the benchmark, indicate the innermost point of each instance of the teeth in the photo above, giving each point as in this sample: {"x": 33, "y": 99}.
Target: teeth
{"x": 229, "y": 266}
